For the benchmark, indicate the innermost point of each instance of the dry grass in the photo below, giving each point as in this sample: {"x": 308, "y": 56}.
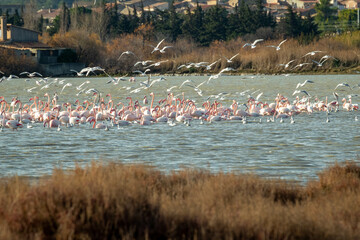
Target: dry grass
{"x": 11, "y": 64}
{"x": 345, "y": 48}
{"x": 138, "y": 202}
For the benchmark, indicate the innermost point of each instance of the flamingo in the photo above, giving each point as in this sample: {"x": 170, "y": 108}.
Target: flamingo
{"x": 13, "y": 124}
{"x": 98, "y": 125}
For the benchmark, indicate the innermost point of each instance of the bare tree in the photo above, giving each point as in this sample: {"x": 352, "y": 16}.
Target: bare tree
{"x": 31, "y": 21}
{"x": 103, "y": 19}
{"x": 64, "y": 19}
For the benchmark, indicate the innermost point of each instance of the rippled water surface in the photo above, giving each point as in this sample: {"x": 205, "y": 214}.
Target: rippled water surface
{"x": 290, "y": 151}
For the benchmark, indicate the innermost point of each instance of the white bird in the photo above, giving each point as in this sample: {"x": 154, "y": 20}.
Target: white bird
{"x": 200, "y": 64}
{"x": 303, "y": 84}
{"x": 342, "y": 85}
{"x": 30, "y": 89}
{"x": 258, "y": 96}
{"x": 300, "y": 65}
{"x": 301, "y": 91}
{"x": 201, "y": 84}
{"x": 142, "y": 73}
{"x": 80, "y": 86}
{"x": 137, "y": 89}
{"x": 227, "y": 70}
{"x": 213, "y": 77}
{"x": 157, "y": 46}
{"x": 186, "y": 81}
{"x": 196, "y": 65}
{"x": 33, "y": 74}
{"x": 208, "y": 67}
{"x": 88, "y": 70}
{"x": 11, "y": 77}
{"x": 319, "y": 64}
{"x": 127, "y": 53}
{"x": 278, "y": 46}
{"x": 157, "y": 64}
{"x": 115, "y": 80}
{"x": 253, "y": 45}
{"x": 326, "y": 57}
{"x": 171, "y": 88}
{"x": 198, "y": 91}
{"x": 93, "y": 90}
{"x": 66, "y": 85}
{"x": 144, "y": 63}
{"x": 163, "y": 49}
{"x": 77, "y": 73}
{"x": 286, "y": 65}
{"x": 312, "y": 53}
{"x": 184, "y": 65}
{"x": 46, "y": 86}
{"x": 229, "y": 60}
{"x": 157, "y": 80}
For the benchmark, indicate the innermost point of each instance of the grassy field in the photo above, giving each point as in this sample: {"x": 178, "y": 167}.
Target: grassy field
{"x": 117, "y": 201}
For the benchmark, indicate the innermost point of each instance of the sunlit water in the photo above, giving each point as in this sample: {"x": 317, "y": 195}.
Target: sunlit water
{"x": 289, "y": 151}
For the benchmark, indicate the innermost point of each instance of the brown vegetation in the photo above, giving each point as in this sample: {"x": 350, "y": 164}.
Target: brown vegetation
{"x": 262, "y": 59}
{"x": 11, "y": 64}
{"x": 138, "y": 202}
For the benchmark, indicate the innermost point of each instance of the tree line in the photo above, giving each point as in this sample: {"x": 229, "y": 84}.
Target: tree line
{"x": 202, "y": 26}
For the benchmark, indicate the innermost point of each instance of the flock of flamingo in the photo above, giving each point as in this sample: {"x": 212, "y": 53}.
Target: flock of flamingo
{"x": 104, "y": 112}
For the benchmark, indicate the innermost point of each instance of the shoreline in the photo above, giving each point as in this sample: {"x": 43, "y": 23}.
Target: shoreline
{"x": 347, "y": 72}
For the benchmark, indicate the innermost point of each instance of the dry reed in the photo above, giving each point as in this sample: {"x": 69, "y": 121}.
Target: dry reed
{"x": 117, "y": 201}
{"x": 344, "y": 48}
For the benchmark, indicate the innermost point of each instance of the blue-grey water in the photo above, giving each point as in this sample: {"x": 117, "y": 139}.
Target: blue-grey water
{"x": 282, "y": 150}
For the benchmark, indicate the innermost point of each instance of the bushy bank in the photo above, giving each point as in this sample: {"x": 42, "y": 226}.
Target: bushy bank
{"x": 117, "y": 201}
{"x": 345, "y": 50}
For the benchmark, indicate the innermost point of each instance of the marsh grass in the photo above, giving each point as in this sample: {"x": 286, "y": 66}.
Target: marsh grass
{"x": 262, "y": 59}
{"x": 117, "y": 201}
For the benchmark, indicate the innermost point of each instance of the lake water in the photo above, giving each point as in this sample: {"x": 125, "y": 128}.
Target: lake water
{"x": 288, "y": 151}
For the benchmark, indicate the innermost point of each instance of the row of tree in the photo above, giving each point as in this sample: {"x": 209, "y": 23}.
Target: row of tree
{"x": 203, "y": 27}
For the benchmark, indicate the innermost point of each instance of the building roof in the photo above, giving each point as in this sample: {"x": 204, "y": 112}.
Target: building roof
{"x": 24, "y": 29}
{"x": 137, "y": 3}
{"x": 49, "y": 13}
{"x": 158, "y": 4}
